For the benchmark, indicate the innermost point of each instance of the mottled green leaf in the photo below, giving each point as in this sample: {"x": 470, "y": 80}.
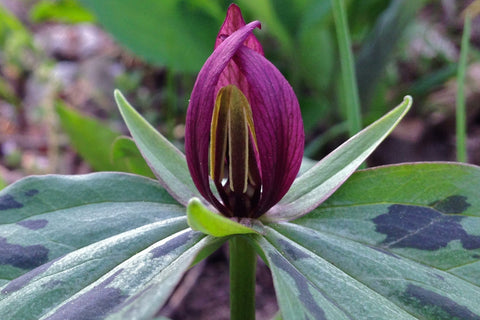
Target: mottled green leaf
{"x": 202, "y": 219}
{"x": 315, "y": 185}
{"x": 399, "y": 242}
{"x": 138, "y": 287}
{"x": 311, "y": 287}
{"x": 328, "y": 277}
{"x": 45, "y": 217}
{"x": 167, "y": 162}
{"x": 426, "y": 212}
{"x": 48, "y": 286}
{"x": 100, "y": 245}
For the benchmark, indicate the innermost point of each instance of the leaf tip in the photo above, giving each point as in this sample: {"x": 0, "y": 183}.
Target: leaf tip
{"x": 408, "y": 100}
{"x": 117, "y": 93}
{"x": 120, "y": 98}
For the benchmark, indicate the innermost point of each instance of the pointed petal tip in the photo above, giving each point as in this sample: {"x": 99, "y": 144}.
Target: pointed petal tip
{"x": 234, "y": 12}
{"x": 233, "y": 9}
{"x": 200, "y": 108}
{"x": 234, "y": 21}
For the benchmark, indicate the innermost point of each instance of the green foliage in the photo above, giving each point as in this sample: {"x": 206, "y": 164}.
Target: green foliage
{"x": 126, "y": 154}
{"x": 16, "y": 51}
{"x": 3, "y": 184}
{"x": 67, "y": 11}
{"x": 397, "y": 242}
{"x": 461, "y": 114}
{"x": 348, "y": 87}
{"x": 92, "y": 236}
{"x": 103, "y": 148}
{"x": 13, "y": 35}
{"x": 178, "y": 34}
{"x": 441, "y": 196}
{"x": 415, "y": 223}
{"x": 91, "y": 138}
{"x": 265, "y": 10}
{"x": 379, "y": 45}
{"x": 202, "y": 219}
{"x": 121, "y": 243}
{"x": 82, "y": 210}
{"x": 166, "y": 161}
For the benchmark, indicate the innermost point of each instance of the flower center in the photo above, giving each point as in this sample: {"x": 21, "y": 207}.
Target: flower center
{"x": 234, "y": 153}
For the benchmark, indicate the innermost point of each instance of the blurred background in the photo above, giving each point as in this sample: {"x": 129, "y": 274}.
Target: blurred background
{"x": 61, "y": 60}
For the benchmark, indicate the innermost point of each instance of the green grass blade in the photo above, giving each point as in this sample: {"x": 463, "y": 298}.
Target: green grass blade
{"x": 350, "y": 89}
{"x": 461, "y": 127}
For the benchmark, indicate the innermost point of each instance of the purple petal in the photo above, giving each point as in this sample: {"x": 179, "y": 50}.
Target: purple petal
{"x": 233, "y": 22}
{"x": 278, "y": 125}
{"x": 231, "y": 74}
{"x": 199, "y": 113}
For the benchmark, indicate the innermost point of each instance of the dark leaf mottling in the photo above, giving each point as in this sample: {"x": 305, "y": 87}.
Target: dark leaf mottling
{"x": 31, "y": 192}
{"x": 291, "y": 250}
{"x": 454, "y": 204}
{"x": 27, "y": 257}
{"x": 436, "y": 306}
{"x": 95, "y": 304}
{"x": 171, "y": 245}
{"x": 8, "y": 202}
{"x": 422, "y": 228}
{"x": 33, "y": 224}
{"x": 302, "y": 285}
{"x": 20, "y": 282}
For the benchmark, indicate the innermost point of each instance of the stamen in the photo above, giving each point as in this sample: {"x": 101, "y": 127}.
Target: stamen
{"x": 233, "y": 147}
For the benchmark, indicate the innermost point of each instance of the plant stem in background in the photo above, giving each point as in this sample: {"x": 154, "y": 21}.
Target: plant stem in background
{"x": 243, "y": 264}
{"x": 460, "y": 108}
{"x": 314, "y": 147}
{"x": 350, "y": 88}
{"x": 171, "y": 91}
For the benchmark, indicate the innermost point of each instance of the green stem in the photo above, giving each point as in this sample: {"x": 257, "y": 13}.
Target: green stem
{"x": 460, "y": 109}
{"x": 313, "y": 148}
{"x": 243, "y": 264}
{"x": 171, "y": 103}
{"x": 349, "y": 80}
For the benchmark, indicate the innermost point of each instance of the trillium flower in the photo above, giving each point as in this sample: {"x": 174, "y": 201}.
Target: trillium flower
{"x": 244, "y": 142}
{"x": 244, "y": 129}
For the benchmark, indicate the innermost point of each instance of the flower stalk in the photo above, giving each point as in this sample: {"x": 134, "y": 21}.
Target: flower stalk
{"x": 243, "y": 265}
